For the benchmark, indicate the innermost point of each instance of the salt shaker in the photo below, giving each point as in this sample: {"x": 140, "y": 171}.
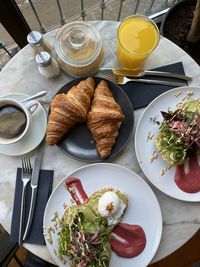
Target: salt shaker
{"x": 47, "y": 66}
{"x": 38, "y": 43}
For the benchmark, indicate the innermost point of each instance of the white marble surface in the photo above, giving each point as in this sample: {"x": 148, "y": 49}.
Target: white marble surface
{"x": 181, "y": 219}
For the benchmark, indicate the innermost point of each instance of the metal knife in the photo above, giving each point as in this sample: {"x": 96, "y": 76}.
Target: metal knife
{"x": 142, "y": 73}
{"x": 34, "y": 187}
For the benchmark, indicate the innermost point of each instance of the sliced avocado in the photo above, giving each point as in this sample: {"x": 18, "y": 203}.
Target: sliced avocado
{"x": 192, "y": 106}
{"x": 72, "y": 211}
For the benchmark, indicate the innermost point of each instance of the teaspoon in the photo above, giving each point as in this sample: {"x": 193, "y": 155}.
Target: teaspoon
{"x": 40, "y": 94}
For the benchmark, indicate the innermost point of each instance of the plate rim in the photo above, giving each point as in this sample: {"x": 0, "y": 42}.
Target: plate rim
{"x": 187, "y": 87}
{"x": 144, "y": 183}
{"x": 132, "y": 126}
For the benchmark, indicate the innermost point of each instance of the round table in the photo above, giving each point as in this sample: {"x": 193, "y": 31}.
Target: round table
{"x": 180, "y": 219}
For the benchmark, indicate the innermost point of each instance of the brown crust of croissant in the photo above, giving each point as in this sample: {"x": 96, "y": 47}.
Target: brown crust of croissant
{"x": 104, "y": 119}
{"x": 69, "y": 109}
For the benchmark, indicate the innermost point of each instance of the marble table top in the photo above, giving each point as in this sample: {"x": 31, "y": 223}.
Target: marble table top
{"x": 180, "y": 219}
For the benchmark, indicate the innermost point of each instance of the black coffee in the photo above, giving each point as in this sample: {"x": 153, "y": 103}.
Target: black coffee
{"x": 12, "y": 121}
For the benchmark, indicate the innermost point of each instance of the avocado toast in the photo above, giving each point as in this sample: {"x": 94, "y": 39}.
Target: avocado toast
{"x": 86, "y": 229}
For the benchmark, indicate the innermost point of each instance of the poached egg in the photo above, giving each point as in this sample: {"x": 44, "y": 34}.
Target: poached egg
{"x": 111, "y": 207}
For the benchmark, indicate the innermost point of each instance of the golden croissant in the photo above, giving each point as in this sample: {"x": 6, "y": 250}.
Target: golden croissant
{"x": 69, "y": 109}
{"x": 104, "y": 119}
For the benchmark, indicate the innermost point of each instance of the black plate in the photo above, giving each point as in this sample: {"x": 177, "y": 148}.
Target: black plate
{"x": 78, "y": 142}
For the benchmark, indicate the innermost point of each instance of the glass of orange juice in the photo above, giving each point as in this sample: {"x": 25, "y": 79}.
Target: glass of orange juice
{"x": 137, "y": 37}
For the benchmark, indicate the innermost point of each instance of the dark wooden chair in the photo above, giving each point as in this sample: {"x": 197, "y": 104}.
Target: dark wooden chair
{"x": 8, "y": 250}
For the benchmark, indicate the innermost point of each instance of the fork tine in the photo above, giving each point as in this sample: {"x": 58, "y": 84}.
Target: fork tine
{"x": 109, "y": 77}
{"x": 23, "y": 164}
{"x": 120, "y": 79}
{"x": 26, "y": 165}
{"x": 29, "y": 165}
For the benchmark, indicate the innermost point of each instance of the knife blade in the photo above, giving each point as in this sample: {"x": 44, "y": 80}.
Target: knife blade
{"x": 142, "y": 73}
{"x": 34, "y": 187}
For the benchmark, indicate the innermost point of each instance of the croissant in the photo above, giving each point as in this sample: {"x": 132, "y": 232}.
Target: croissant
{"x": 104, "y": 119}
{"x": 69, "y": 109}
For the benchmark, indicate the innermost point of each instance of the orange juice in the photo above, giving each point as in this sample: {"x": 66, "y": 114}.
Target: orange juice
{"x": 137, "y": 37}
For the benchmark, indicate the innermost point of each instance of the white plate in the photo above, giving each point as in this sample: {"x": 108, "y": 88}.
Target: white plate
{"x": 143, "y": 208}
{"x": 34, "y": 136}
{"x": 144, "y": 149}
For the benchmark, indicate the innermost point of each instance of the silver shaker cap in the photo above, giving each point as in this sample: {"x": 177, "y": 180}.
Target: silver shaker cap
{"x": 34, "y": 37}
{"x": 43, "y": 58}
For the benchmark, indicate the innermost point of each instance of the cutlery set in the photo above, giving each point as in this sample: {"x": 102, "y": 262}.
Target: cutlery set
{"x": 32, "y": 176}
{"x": 123, "y": 80}
{"x": 121, "y": 76}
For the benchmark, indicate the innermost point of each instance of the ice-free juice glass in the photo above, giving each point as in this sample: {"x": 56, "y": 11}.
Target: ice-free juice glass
{"x": 137, "y": 37}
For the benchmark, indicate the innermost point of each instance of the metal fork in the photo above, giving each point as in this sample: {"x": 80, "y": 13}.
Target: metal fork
{"x": 26, "y": 177}
{"x": 123, "y": 80}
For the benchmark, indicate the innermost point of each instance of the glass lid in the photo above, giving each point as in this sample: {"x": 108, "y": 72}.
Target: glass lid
{"x": 78, "y": 42}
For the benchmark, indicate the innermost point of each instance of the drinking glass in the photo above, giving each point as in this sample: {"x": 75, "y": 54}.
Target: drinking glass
{"x": 137, "y": 37}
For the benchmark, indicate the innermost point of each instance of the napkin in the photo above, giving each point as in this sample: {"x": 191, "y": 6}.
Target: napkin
{"x": 141, "y": 94}
{"x": 43, "y": 193}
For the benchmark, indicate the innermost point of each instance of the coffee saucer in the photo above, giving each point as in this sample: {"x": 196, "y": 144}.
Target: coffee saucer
{"x": 34, "y": 136}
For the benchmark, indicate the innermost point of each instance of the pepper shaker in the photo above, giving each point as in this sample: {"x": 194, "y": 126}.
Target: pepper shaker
{"x": 47, "y": 66}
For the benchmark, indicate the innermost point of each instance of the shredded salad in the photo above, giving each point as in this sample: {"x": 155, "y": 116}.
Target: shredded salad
{"x": 84, "y": 238}
{"x": 179, "y": 134}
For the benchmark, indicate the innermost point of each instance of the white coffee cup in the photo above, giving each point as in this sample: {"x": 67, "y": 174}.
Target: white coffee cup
{"x": 27, "y": 108}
